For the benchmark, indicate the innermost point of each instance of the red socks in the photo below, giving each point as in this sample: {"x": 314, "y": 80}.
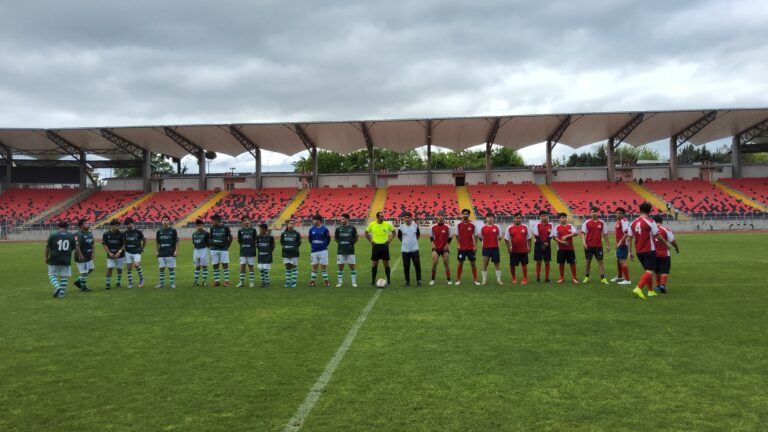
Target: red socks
{"x": 646, "y": 279}
{"x": 538, "y": 269}
{"x": 474, "y": 272}
{"x": 658, "y": 279}
{"x": 619, "y": 270}
{"x": 626, "y": 272}
{"x": 458, "y": 272}
{"x": 512, "y": 270}
{"x": 664, "y": 279}
{"x": 525, "y": 271}
{"x": 562, "y": 271}
{"x": 448, "y": 274}
{"x": 573, "y": 270}
{"x": 546, "y": 269}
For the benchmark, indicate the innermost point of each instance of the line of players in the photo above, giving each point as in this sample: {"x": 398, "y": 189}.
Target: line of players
{"x": 124, "y": 248}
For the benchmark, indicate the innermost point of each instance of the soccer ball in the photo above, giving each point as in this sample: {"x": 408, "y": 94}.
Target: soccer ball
{"x": 381, "y": 283}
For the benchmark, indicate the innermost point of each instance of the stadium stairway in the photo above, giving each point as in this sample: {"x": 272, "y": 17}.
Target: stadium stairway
{"x": 653, "y": 198}
{"x": 290, "y": 209}
{"x": 465, "y": 202}
{"x": 557, "y": 204}
{"x": 740, "y": 196}
{"x": 378, "y": 203}
{"x": 118, "y": 214}
{"x": 204, "y": 207}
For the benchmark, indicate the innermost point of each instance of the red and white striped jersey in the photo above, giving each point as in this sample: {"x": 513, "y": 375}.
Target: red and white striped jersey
{"x": 662, "y": 250}
{"x": 643, "y": 229}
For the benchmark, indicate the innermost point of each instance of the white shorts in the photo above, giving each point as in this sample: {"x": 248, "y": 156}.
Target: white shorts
{"x": 59, "y": 270}
{"x": 264, "y": 266}
{"x": 247, "y": 260}
{"x": 200, "y": 257}
{"x": 345, "y": 259}
{"x": 219, "y": 257}
{"x": 115, "y": 263}
{"x": 319, "y": 257}
{"x": 85, "y": 267}
{"x": 133, "y": 258}
{"x": 169, "y": 262}
{"x": 293, "y": 261}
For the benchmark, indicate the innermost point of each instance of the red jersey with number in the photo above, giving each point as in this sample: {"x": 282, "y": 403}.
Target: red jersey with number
{"x": 490, "y": 235}
{"x": 440, "y": 234}
{"x": 563, "y": 230}
{"x": 518, "y": 236}
{"x": 643, "y": 229}
{"x": 594, "y": 230}
{"x": 622, "y": 226}
{"x": 662, "y": 251}
{"x": 466, "y": 234}
{"x": 542, "y": 232}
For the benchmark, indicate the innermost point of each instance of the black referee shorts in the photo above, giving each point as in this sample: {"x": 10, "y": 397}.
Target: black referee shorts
{"x": 380, "y": 252}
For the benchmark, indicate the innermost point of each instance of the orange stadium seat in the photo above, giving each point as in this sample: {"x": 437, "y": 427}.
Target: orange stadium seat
{"x": 259, "y": 204}
{"x": 699, "y": 198}
{"x": 579, "y": 196}
{"x": 18, "y": 205}
{"x": 175, "y": 204}
{"x": 332, "y": 202}
{"x": 97, "y": 206}
{"x": 507, "y": 199}
{"x": 422, "y": 201}
{"x": 755, "y": 188}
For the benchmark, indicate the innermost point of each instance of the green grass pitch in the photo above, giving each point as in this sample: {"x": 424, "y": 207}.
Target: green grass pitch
{"x": 443, "y": 358}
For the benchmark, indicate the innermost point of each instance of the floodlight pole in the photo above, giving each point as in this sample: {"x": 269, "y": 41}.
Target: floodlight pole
{"x": 429, "y": 152}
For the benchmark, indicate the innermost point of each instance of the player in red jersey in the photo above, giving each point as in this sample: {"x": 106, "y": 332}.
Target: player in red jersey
{"x": 542, "y": 248}
{"x": 593, "y": 232}
{"x": 622, "y": 248}
{"x": 644, "y": 230}
{"x": 663, "y": 257}
{"x": 518, "y": 238}
{"x": 490, "y": 234}
{"x": 563, "y": 235}
{"x": 466, "y": 234}
{"x": 440, "y": 233}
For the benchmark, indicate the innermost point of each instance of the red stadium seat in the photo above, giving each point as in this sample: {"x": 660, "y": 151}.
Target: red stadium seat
{"x": 755, "y": 188}
{"x": 97, "y": 206}
{"x": 331, "y": 203}
{"x": 18, "y": 205}
{"x": 175, "y": 204}
{"x": 422, "y": 201}
{"x": 699, "y": 198}
{"x": 507, "y": 199}
{"x": 260, "y": 204}
{"x": 579, "y": 196}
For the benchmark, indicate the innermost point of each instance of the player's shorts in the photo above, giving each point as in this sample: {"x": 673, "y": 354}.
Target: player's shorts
{"x": 85, "y": 267}
{"x": 319, "y": 257}
{"x": 440, "y": 252}
{"x": 542, "y": 254}
{"x": 648, "y": 260}
{"x": 593, "y": 252}
{"x": 169, "y": 262}
{"x": 380, "y": 252}
{"x": 247, "y": 260}
{"x": 292, "y": 261}
{"x": 622, "y": 252}
{"x": 59, "y": 270}
{"x": 566, "y": 256}
{"x": 264, "y": 266}
{"x": 469, "y": 255}
{"x": 132, "y": 258}
{"x": 345, "y": 259}
{"x": 515, "y": 259}
{"x": 200, "y": 257}
{"x": 115, "y": 263}
{"x": 663, "y": 265}
{"x": 219, "y": 257}
{"x": 493, "y": 254}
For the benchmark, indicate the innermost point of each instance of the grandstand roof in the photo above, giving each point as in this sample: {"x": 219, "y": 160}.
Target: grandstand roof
{"x": 514, "y": 131}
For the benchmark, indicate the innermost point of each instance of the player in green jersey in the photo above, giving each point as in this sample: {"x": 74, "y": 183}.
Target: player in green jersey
{"x": 246, "y": 238}
{"x": 167, "y": 247}
{"x": 221, "y": 239}
{"x": 58, "y": 256}
{"x": 84, "y": 259}
{"x": 201, "y": 240}
{"x": 135, "y": 242}
{"x": 346, "y": 237}
{"x": 113, "y": 242}
{"x": 265, "y": 245}
{"x": 290, "y": 240}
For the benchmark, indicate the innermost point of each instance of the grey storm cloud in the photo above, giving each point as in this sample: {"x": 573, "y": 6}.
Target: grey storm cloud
{"x": 86, "y": 63}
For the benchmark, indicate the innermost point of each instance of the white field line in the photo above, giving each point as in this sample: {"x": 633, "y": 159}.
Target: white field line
{"x": 297, "y": 421}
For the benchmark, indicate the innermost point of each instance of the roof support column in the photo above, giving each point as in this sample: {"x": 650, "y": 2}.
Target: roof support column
{"x": 371, "y": 156}
{"x": 683, "y": 137}
{"x": 550, "y": 176}
{"x": 736, "y": 157}
{"x": 83, "y": 172}
{"x": 257, "y": 158}
{"x": 616, "y": 139}
{"x": 202, "y": 180}
{"x": 488, "y": 163}
{"x": 8, "y": 168}
{"x": 552, "y": 142}
{"x": 610, "y": 155}
{"x": 315, "y": 165}
{"x": 429, "y": 152}
{"x": 673, "y": 158}
{"x": 146, "y": 172}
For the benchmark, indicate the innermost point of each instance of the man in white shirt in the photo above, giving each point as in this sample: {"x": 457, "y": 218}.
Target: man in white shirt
{"x": 408, "y": 233}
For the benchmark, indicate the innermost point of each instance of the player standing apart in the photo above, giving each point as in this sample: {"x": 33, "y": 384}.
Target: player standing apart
{"x": 466, "y": 234}
{"x": 246, "y": 238}
{"x": 265, "y": 245}
{"x": 518, "y": 238}
{"x": 593, "y": 232}
{"x": 346, "y": 237}
{"x": 166, "y": 249}
{"x": 380, "y": 233}
{"x": 663, "y": 257}
{"x": 440, "y": 234}
{"x": 134, "y": 247}
{"x": 58, "y": 256}
{"x": 319, "y": 238}
{"x": 221, "y": 239}
{"x": 84, "y": 259}
{"x": 490, "y": 235}
{"x": 290, "y": 240}
{"x": 113, "y": 242}
{"x": 201, "y": 241}
{"x": 564, "y": 234}
{"x": 644, "y": 230}
{"x": 408, "y": 233}
{"x": 542, "y": 247}
{"x": 622, "y": 248}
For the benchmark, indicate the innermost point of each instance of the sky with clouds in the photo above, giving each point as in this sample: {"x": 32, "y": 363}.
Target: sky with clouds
{"x": 109, "y": 63}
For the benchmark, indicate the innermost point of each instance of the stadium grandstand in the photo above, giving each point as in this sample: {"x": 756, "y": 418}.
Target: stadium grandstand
{"x": 48, "y": 172}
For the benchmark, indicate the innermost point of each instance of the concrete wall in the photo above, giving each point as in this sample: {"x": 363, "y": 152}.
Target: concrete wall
{"x": 651, "y": 172}
{"x": 360, "y": 180}
{"x": 415, "y": 178}
{"x": 123, "y": 184}
{"x": 688, "y": 172}
{"x": 443, "y": 178}
{"x": 579, "y": 174}
{"x": 282, "y": 180}
{"x": 180, "y": 183}
{"x": 754, "y": 171}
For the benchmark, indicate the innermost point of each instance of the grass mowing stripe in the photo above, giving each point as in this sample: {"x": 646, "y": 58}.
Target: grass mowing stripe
{"x": 317, "y": 389}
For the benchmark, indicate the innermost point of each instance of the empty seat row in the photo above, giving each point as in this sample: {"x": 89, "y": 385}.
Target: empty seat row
{"x": 332, "y": 202}
{"x": 581, "y": 196}
{"x": 422, "y": 201}
{"x": 699, "y": 197}
{"x": 507, "y": 199}
{"x": 19, "y": 204}
{"x": 97, "y": 206}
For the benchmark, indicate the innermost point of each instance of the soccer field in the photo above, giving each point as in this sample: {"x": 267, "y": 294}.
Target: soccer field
{"x": 535, "y": 357}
